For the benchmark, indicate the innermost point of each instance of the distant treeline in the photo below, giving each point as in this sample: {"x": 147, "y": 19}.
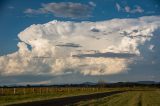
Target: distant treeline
{"x": 112, "y": 85}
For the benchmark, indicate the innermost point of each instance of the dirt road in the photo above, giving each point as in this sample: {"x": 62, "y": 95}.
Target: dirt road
{"x": 67, "y": 100}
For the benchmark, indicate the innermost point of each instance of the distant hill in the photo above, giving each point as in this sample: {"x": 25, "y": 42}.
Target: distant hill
{"x": 147, "y": 82}
{"x": 93, "y": 84}
{"x": 89, "y": 83}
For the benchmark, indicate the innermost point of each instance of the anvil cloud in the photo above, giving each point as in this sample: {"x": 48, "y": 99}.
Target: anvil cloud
{"x": 88, "y": 48}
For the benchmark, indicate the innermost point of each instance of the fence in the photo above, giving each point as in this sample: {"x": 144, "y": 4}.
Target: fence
{"x": 45, "y": 90}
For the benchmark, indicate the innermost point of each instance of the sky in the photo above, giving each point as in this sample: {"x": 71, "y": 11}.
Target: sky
{"x": 75, "y": 41}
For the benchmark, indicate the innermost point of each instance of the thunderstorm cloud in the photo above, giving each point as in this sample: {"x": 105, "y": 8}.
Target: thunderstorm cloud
{"x": 60, "y": 48}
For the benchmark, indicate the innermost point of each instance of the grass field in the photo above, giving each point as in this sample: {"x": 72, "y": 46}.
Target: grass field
{"x": 129, "y": 98}
{"x": 9, "y": 96}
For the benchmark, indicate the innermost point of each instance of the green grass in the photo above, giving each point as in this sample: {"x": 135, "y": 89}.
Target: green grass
{"x": 140, "y": 96}
{"x": 10, "y": 98}
{"x": 129, "y": 98}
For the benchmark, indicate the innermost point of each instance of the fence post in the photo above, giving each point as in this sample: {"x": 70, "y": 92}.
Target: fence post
{"x": 24, "y": 91}
{"x": 2, "y": 91}
{"x": 14, "y": 91}
{"x": 40, "y": 90}
{"x": 47, "y": 89}
{"x": 33, "y": 90}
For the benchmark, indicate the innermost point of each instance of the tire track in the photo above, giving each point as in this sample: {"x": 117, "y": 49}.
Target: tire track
{"x": 68, "y": 100}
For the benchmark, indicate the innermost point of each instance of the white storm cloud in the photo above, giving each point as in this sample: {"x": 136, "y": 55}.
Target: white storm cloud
{"x": 88, "y": 48}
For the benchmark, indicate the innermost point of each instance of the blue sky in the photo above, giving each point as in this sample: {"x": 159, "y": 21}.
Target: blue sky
{"x": 12, "y": 13}
{"x": 17, "y": 15}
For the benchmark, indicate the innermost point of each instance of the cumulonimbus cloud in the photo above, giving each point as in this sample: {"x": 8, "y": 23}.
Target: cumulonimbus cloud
{"x": 72, "y": 47}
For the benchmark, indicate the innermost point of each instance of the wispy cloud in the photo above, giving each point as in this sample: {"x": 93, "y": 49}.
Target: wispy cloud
{"x": 107, "y": 55}
{"x": 92, "y": 3}
{"x": 128, "y": 9}
{"x": 64, "y": 9}
{"x": 11, "y": 7}
{"x": 136, "y": 9}
{"x": 118, "y": 7}
{"x": 69, "y": 45}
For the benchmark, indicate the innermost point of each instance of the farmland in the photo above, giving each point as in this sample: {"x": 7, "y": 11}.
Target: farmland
{"x": 81, "y": 96}
{"x": 18, "y": 95}
{"x": 130, "y": 98}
